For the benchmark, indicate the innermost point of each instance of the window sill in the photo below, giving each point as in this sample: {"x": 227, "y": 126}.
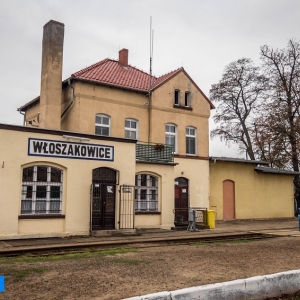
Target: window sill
{"x": 182, "y": 107}
{"x": 147, "y": 212}
{"x": 42, "y": 216}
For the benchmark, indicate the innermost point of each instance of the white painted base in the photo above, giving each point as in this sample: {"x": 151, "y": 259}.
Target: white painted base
{"x": 258, "y": 287}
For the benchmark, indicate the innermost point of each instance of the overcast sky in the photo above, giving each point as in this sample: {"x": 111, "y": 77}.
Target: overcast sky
{"x": 203, "y": 36}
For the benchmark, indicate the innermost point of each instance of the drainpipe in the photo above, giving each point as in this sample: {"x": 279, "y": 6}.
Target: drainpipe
{"x": 72, "y": 98}
{"x": 23, "y": 113}
{"x": 149, "y": 117}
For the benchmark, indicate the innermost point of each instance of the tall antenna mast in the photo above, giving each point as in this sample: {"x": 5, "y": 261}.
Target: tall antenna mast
{"x": 151, "y": 53}
{"x": 150, "y": 81}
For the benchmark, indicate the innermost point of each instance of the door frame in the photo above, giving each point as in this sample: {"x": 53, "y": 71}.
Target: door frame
{"x": 105, "y": 177}
{"x": 181, "y": 186}
{"x": 229, "y": 200}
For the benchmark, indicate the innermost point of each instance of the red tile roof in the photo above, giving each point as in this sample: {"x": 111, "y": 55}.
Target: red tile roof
{"x": 111, "y": 72}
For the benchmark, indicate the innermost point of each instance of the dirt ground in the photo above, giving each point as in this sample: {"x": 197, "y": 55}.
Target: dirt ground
{"x": 147, "y": 270}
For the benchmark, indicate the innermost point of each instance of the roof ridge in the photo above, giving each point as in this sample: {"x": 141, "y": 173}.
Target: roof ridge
{"x": 161, "y": 79}
{"x": 173, "y": 71}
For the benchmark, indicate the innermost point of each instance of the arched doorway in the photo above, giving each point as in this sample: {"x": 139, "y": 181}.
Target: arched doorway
{"x": 181, "y": 199}
{"x": 103, "y": 198}
{"x": 228, "y": 200}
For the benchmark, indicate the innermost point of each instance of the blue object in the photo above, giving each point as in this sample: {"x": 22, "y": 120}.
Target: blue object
{"x": 299, "y": 217}
{"x": 1, "y": 284}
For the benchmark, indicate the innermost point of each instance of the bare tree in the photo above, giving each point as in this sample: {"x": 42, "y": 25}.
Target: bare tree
{"x": 238, "y": 95}
{"x": 282, "y": 67}
{"x": 268, "y": 141}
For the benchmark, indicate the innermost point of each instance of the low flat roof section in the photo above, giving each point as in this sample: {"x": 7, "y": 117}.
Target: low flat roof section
{"x": 239, "y": 160}
{"x": 275, "y": 171}
{"x": 68, "y": 134}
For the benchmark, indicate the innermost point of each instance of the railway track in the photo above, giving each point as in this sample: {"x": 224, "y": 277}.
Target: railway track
{"x": 60, "y": 249}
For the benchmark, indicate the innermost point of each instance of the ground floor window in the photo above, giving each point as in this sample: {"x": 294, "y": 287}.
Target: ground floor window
{"x": 41, "y": 190}
{"x": 146, "y": 193}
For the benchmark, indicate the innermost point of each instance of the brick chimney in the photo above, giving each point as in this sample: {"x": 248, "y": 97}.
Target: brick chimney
{"x": 51, "y": 76}
{"x": 123, "y": 57}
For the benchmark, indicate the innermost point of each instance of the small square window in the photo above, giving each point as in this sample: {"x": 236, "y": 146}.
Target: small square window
{"x": 131, "y": 129}
{"x": 102, "y": 125}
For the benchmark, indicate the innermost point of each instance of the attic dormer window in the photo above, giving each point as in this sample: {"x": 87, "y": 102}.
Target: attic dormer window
{"x": 187, "y": 100}
{"x": 176, "y": 97}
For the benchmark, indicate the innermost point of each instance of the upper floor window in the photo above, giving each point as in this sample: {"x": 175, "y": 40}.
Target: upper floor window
{"x": 41, "y": 190}
{"x": 131, "y": 129}
{"x": 146, "y": 192}
{"x": 190, "y": 140}
{"x": 176, "y": 97}
{"x": 187, "y": 100}
{"x": 102, "y": 125}
{"x": 171, "y": 136}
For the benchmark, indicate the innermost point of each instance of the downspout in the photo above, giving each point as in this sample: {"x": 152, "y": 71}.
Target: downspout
{"x": 149, "y": 116}
{"x": 211, "y": 206}
{"x": 72, "y": 98}
{"x": 23, "y": 113}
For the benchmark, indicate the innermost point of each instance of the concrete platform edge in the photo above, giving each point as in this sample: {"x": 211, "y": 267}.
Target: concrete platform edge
{"x": 258, "y": 287}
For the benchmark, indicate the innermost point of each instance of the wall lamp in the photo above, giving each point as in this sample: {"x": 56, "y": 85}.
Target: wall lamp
{"x": 70, "y": 137}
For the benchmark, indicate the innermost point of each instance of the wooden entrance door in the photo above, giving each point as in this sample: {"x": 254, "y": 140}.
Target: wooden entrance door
{"x": 228, "y": 200}
{"x": 181, "y": 199}
{"x": 103, "y": 198}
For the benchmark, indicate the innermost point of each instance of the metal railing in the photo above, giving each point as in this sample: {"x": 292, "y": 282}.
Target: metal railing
{"x": 126, "y": 207}
{"x": 154, "y": 152}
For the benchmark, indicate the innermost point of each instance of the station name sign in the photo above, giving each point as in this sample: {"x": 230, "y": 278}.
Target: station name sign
{"x": 50, "y": 148}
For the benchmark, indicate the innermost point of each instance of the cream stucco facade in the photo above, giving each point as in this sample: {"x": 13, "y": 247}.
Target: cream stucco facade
{"x": 75, "y": 215}
{"x": 255, "y": 194}
{"x": 82, "y": 101}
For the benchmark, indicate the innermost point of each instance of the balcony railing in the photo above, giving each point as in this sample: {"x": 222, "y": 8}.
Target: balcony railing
{"x": 154, "y": 152}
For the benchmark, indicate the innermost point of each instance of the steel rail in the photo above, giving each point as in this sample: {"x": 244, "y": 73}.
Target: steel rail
{"x": 17, "y": 251}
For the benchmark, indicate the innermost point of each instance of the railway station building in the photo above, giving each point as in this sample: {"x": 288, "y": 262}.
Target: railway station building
{"x": 110, "y": 147}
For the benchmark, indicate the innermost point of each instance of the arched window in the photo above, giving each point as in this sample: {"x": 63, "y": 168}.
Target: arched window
{"x": 41, "y": 190}
{"x": 146, "y": 192}
{"x": 102, "y": 125}
{"x": 190, "y": 140}
{"x": 131, "y": 129}
{"x": 171, "y": 136}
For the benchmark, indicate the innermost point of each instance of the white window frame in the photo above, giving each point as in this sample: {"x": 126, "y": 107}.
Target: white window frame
{"x": 148, "y": 204}
{"x": 170, "y": 134}
{"x": 131, "y": 130}
{"x": 101, "y": 124}
{"x": 189, "y": 135}
{"x": 47, "y": 201}
{"x": 187, "y": 99}
{"x": 177, "y": 101}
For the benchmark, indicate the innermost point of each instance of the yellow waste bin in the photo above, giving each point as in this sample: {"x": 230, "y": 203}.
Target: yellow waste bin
{"x": 211, "y": 218}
